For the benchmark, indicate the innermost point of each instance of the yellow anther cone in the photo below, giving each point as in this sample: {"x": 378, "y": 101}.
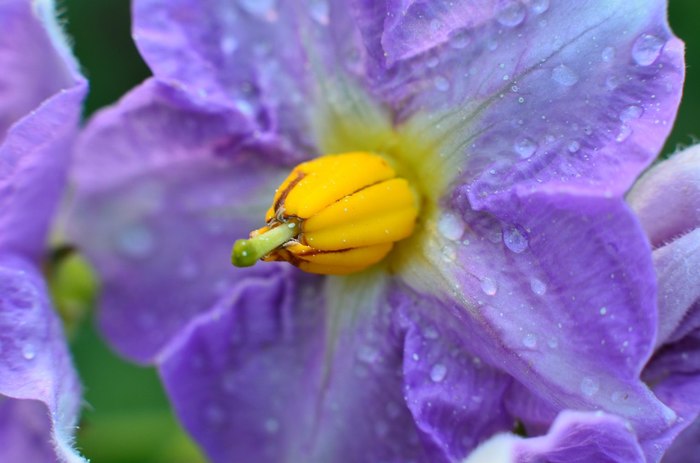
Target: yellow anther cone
{"x": 340, "y": 213}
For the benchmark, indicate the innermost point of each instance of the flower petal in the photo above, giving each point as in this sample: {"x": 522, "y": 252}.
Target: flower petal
{"x": 164, "y": 187}
{"x": 30, "y": 78}
{"x": 446, "y": 388}
{"x": 261, "y": 58}
{"x": 35, "y": 365}
{"x": 298, "y": 368}
{"x": 678, "y": 270}
{"x": 575, "y": 437}
{"x": 536, "y": 92}
{"x": 558, "y": 290}
{"x": 265, "y": 376}
{"x": 41, "y": 95}
{"x": 667, "y": 197}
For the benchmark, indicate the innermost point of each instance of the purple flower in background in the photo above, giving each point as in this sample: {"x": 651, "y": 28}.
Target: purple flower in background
{"x": 527, "y": 289}
{"x": 41, "y": 94}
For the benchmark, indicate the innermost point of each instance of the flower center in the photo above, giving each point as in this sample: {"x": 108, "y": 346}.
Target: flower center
{"x": 336, "y": 214}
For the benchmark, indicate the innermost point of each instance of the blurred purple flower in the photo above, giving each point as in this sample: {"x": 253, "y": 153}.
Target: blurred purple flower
{"x": 41, "y": 94}
{"x": 528, "y": 288}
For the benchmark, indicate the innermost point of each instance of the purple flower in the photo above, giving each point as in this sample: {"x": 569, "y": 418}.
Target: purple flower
{"x": 528, "y": 287}
{"x": 41, "y": 94}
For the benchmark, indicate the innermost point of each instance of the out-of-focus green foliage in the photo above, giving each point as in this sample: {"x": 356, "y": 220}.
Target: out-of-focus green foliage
{"x": 128, "y": 419}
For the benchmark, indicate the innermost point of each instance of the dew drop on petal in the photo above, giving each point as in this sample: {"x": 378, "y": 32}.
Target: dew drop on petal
{"x": 260, "y": 8}
{"x": 515, "y": 239}
{"x": 441, "y": 83}
{"x": 488, "y": 286}
{"x": 511, "y": 14}
{"x": 603, "y": 310}
{"x": 538, "y": 286}
{"x": 451, "y": 226}
{"x": 28, "y": 351}
{"x": 136, "y": 241}
{"x": 564, "y": 75}
{"x": 525, "y": 147}
{"x": 319, "y": 11}
{"x": 608, "y": 54}
{"x": 589, "y": 386}
{"x": 272, "y": 425}
{"x": 646, "y": 49}
{"x": 631, "y": 112}
{"x": 228, "y": 44}
{"x": 539, "y": 6}
{"x": 438, "y": 372}
{"x": 530, "y": 341}
{"x": 623, "y": 134}
{"x": 553, "y": 343}
{"x": 367, "y": 354}
{"x": 459, "y": 40}
{"x": 574, "y": 146}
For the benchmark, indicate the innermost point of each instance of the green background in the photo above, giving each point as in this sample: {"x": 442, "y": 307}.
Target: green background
{"x": 127, "y": 418}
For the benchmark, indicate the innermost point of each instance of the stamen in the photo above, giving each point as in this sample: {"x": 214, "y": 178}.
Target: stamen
{"x": 247, "y": 252}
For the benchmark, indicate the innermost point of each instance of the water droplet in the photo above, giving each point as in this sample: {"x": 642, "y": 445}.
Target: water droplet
{"x": 264, "y": 9}
{"x": 136, "y": 241}
{"x": 511, "y": 14}
{"x": 525, "y": 147}
{"x": 319, "y": 11}
{"x": 438, "y": 372}
{"x": 432, "y": 62}
{"x": 625, "y": 132}
{"x": 460, "y": 40}
{"x": 603, "y": 310}
{"x": 441, "y": 83}
{"x": 530, "y": 341}
{"x": 515, "y": 239}
{"x": 521, "y": 100}
{"x": 564, "y": 75}
{"x": 451, "y": 226}
{"x": 539, "y": 6}
{"x": 488, "y": 286}
{"x": 552, "y": 343}
{"x": 228, "y": 44}
{"x": 574, "y": 146}
{"x": 28, "y": 351}
{"x": 631, "y": 113}
{"x": 272, "y": 425}
{"x": 646, "y": 49}
{"x": 431, "y": 333}
{"x": 538, "y": 286}
{"x": 367, "y": 354}
{"x": 608, "y": 54}
{"x": 619, "y": 396}
{"x": 589, "y": 386}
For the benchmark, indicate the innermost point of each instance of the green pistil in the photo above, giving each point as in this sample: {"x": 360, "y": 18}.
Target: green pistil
{"x": 247, "y": 252}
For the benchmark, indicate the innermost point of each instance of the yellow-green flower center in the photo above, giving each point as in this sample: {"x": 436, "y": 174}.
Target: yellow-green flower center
{"x": 336, "y": 214}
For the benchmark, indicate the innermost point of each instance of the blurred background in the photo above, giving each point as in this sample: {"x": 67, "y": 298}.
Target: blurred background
{"x": 127, "y": 418}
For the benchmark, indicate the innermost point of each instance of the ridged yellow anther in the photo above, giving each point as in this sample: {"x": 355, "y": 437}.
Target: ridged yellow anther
{"x": 340, "y": 213}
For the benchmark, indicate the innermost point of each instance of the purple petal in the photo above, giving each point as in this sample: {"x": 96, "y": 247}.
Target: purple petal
{"x": 559, "y": 292}
{"x": 256, "y": 379}
{"x": 165, "y": 186}
{"x": 260, "y": 58}
{"x": 575, "y": 437}
{"x": 309, "y": 369}
{"x": 581, "y": 95}
{"x": 667, "y": 197}
{"x": 678, "y": 271}
{"x": 24, "y": 432}
{"x": 40, "y": 102}
{"x": 35, "y": 365}
{"x": 446, "y": 388}
{"x": 685, "y": 447}
{"x": 29, "y": 78}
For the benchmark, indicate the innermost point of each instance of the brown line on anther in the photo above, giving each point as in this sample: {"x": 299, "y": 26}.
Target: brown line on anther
{"x": 280, "y": 201}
